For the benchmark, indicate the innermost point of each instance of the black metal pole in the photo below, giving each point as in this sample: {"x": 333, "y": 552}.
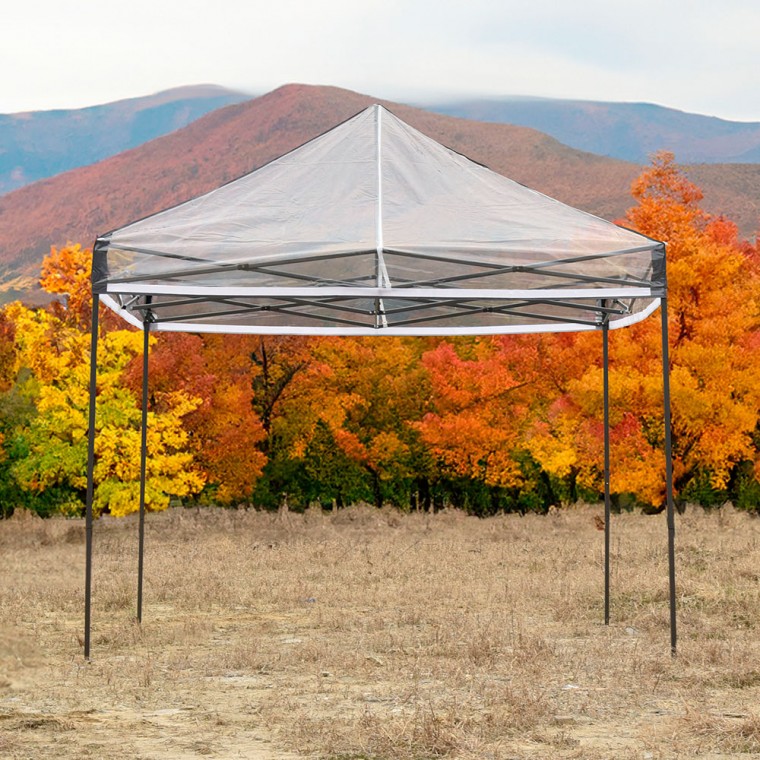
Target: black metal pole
{"x": 669, "y": 475}
{"x": 90, "y": 473}
{"x": 607, "y": 510}
{"x": 143, "y": 462}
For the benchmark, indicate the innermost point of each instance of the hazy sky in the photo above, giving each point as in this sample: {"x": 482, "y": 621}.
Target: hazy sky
{"x": 696, "y": 55}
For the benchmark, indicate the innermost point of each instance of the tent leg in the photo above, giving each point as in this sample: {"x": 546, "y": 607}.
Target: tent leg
{"x": 607, "y": 510}
{"x": 669, "y": 475}
{"x": 90, "y": 473}
{"x": 143, "y": 463}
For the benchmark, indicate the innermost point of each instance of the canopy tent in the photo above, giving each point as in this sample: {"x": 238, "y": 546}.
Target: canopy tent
{"x": 375, "y": 229}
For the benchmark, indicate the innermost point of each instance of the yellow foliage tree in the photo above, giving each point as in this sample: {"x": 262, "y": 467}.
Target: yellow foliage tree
{"x": 54, "y": 359}
{"x": 365, "y": 392}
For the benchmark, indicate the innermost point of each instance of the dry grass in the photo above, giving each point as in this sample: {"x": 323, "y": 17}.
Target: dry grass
{"x": 370, "y": 635}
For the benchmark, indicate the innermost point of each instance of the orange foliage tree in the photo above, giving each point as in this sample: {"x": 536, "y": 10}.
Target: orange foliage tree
{"x": 474, "y": 425}
{"x": 714, "y": 294}
{"x": 338, "y": 414}
{"x": 367, "y": 395}
{"x": 66, "y": 272}
{"x": 485, "y": 391}
{"x": 224, "y": 429}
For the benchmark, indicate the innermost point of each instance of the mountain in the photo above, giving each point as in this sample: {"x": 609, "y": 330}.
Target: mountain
{"x": 40, "y": 144}
{"x": 80, "y": 204}
{"x": 630, "y": 131}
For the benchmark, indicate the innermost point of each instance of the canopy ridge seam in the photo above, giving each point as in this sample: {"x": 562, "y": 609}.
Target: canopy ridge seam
{"x": 382, "y": 272}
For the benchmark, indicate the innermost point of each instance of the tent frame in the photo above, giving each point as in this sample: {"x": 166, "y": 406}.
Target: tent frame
{"x": 603, "y": 313}
{"x": 515, "y": 262}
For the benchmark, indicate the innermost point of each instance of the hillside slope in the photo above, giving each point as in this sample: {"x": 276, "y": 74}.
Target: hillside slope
{"x": 42, "y": 144}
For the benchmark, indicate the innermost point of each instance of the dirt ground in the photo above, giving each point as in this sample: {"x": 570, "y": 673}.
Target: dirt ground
{"x": 371, "y": 635}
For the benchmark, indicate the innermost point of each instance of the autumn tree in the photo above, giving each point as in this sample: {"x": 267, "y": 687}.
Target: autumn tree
{"x": 47, "y": 446}
{"x": 13, "y": 409}
{"x": 280, "y": 361}
{"x": 713, "y": 312}
{"x": 65, "y": 272}
{"x": 369, "y": 394}
{"x": 224, "y": 429}
{"x": 337, "y": 412}
{"x": 483, "y": 390}
{"x": 53, "y": 362}
{"x": 282, "y": 364}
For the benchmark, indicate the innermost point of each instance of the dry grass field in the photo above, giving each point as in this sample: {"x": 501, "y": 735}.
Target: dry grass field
{"x": 367, "y": 634}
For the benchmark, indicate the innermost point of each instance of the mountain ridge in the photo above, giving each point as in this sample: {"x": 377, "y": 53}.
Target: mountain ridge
{"x": 631, "y": 131}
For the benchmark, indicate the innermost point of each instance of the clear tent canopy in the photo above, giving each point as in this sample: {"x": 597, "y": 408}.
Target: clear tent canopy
{"x": 374, "y": 228}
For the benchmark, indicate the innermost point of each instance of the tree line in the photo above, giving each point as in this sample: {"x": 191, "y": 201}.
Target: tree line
{"x": 486, "y": 424}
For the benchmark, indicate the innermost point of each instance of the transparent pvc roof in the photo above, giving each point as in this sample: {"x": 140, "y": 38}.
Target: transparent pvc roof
{"x": 374, "y": 228}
